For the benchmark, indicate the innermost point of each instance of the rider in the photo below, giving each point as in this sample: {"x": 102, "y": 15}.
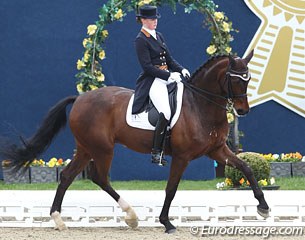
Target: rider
{"x": 159, "y": 70}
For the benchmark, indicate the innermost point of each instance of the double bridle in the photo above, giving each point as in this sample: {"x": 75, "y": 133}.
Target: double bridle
{"x": 243, "y": 75}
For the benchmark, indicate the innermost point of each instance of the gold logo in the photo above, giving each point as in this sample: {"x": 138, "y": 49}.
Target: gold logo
{"x": 278, "y": 65}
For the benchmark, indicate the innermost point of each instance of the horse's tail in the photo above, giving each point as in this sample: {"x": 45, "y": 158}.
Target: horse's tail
{"x": 23, "y": 156}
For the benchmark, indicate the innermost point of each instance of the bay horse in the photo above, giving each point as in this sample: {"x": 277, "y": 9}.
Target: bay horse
{"x": 97, "y": 121}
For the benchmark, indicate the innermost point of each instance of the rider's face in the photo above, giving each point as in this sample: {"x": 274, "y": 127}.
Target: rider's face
{"x": 151, "y": 24}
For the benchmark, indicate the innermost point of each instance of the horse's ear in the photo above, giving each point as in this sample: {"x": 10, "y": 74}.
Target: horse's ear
{"x": 231, "y": 61}
{"x": 250, "y": 55}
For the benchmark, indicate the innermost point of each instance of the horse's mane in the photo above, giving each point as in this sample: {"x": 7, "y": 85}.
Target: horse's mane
{"x": 206, "y": 65}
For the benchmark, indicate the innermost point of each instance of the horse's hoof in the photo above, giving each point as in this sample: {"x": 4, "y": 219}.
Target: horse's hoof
{"x": 133, "y": 223}
{"x": 131, "y": 218}
{"x": 171, "y": 231}
{"x": 59, "y": 224}
{"x": 61, "y": 227}
{"x": 263, "y": 212}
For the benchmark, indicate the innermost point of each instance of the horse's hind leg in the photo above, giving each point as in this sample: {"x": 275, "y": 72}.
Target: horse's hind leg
{"x": 99, "y": 175}
{"x": 225, "y": 156}
{"x": 67, "y": 176}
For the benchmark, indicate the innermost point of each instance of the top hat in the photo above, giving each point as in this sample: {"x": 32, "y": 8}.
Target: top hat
{"x": 148, "y": 11}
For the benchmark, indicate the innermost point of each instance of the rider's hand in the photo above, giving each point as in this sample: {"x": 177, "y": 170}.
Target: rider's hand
{"x": 174, "y": 77}
{"x": 185, "y": 73}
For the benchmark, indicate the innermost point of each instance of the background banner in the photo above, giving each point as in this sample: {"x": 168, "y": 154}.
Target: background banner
{"x": 40, "y": 43}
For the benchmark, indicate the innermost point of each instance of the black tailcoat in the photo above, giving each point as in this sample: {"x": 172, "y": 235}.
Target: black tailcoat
{"x": 151, "y": 54}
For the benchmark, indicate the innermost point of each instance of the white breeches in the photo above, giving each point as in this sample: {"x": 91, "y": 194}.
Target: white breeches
{"x": 159, "y": 96}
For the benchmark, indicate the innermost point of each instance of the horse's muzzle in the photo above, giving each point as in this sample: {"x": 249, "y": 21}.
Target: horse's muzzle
{"x": 242, "y": 112}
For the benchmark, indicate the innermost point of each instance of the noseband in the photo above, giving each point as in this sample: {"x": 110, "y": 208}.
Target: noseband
{"x": 243, "y": 75}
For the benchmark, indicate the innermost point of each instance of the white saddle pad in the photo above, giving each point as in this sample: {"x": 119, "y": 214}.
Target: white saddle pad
{"x": 141, "y": 120}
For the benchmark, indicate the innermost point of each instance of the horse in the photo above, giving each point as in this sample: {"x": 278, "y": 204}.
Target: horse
{"x": 97, "y": 121}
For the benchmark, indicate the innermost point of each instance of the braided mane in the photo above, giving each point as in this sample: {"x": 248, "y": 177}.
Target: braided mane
{"x": 206, "y": 65}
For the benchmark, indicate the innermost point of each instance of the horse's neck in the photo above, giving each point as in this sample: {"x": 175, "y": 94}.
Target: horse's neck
{"x": 211, "y": 80}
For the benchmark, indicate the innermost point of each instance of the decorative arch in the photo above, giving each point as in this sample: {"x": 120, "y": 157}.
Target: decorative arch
{"x": 90, "y": 75}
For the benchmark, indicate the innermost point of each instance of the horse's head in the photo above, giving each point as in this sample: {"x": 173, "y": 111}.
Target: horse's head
{"x": 223, "y": 81}
{"x": 236, "y": 83}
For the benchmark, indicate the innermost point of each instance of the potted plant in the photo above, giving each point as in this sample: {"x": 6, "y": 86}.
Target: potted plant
{"x": 9, "y": 176}
{"x": 42, "y": 172}
{"x": 285, "y": 164}
{"x": 298, "y": 165}
{"x": 261, "y": 170}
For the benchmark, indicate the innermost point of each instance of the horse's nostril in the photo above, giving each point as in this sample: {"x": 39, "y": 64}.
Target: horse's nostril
{"x": 242, "y": 111}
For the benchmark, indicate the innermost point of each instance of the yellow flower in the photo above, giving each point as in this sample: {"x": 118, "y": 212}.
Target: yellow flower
{"x": 263, "y": 182}
{"x": 79, "y": 87}
{"x": 85, "y": 41}
{"x": 228, "y": 182}
{"x": 105, "y": 33}
{"x": 226, "y": 27}
{"x": 52, "y": 162}
{"x": 119, "y": 14}
{"x": 141, "y": 3}
{"x": 228, "y": 49}
{"x": 230, "y": 117}
{"x": 86, "y": 56}
{"x": 100, "y": 77}
{"x": 211, "y": 49}
{"x": 80, "y": 64}
{"x": 218, "y": 16}
{"x": 91, "y": 29}
{"x": 93, "y": 87}
{"x": 38, "y": 163}
{"x": 102, "y": 55}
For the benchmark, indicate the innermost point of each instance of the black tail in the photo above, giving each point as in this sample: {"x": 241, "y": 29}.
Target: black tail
{"x": 54, "y": 121}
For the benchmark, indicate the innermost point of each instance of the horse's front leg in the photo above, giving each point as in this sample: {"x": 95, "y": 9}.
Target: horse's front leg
{"x": 178, "y": 166}
{"x": 225, "y": 156}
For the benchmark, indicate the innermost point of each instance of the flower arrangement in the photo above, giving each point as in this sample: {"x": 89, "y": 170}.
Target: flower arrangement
{"x": 53, "y": 162}
{"x": 221, "y": 29}
{"x": 228, "y": 184}
{"x": 284, "y": 157}
{"x": 259, "y": 166}
{"x": 90, "y": 76}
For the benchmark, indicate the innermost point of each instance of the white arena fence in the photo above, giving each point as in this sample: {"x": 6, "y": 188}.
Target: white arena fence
{"x": 189, "y": 208}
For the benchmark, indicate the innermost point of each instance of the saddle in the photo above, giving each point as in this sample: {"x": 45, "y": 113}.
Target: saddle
{"x": 148, "y": 117}
{"x": 153, "y": 113}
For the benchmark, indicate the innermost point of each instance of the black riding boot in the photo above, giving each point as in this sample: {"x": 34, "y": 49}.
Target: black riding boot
{"x": 158, "y": 142}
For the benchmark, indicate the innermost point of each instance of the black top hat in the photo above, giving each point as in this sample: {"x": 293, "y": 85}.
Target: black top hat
{"x": 148, "y": 11}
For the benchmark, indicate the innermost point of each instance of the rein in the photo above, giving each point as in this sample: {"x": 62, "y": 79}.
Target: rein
{"x": 245, "y": 76}
{"x": 202, "y": 93}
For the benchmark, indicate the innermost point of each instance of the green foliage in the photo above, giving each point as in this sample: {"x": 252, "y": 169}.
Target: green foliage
{"x": 90, "y": 74}
{"x": 259, "y": 166}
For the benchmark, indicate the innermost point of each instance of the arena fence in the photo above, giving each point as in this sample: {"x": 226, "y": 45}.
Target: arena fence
{"x": 189, "y": 208}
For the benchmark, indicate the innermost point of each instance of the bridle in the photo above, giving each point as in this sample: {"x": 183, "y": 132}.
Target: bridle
{"x": 243, "y": 75}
